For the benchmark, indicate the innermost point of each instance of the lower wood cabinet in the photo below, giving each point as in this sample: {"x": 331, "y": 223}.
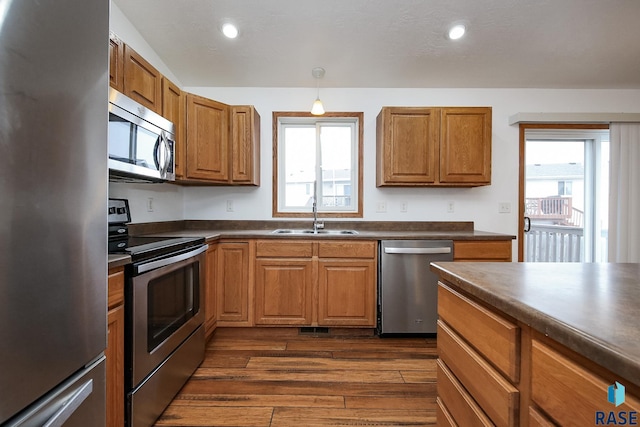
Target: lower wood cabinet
{"x": 210, "y": 294}
{"x": 232, "y": 283}
{"x": 482, "y": 250}
{"x": 315, "y": 283}
{"x": 115, "y": 348}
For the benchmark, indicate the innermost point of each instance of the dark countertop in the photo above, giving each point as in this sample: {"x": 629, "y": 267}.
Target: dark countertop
{"x": 118, "y": 260}
{"x": 590, "y": 308}
{"x": 367, "y": 230}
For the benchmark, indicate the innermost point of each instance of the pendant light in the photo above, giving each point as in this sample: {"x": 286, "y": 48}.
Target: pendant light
{"x": 317, "y": 109}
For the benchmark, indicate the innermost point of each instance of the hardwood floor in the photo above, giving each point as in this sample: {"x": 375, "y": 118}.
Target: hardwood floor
{"x": 277, "y": 377}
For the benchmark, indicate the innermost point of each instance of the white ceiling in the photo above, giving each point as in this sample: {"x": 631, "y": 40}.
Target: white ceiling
{"x": 395, "y": 43}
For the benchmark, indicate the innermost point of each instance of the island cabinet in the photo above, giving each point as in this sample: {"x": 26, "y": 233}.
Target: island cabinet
{"x": 315, "y": 283}
{"x": 433, "y": 146}
{"x": 232, "y": 283}
{"x": 494, "y": 370}
{"x": 210, "y": 293}
{"x": 115, "y": 348}
{"x": 482, "y": 250}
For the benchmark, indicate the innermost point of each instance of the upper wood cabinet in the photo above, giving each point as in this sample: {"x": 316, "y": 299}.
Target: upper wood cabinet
{"x": 142, "y": 82}
{"x": 245, "y": 145}
{"x": 116, "y": 62}
{"x": 223, "y": 142}
{"x": 434, "y": 146}
{"x": 174, "y": 109}
{"x": 207, "y": 139}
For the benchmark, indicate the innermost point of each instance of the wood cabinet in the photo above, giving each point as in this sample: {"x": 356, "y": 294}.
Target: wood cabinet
{"x": 116, "y": 62}
{"x": 142, "y": 82}
{"x": 482, "y": 250}
{"x": 210, "y": 293}
{"x": 223, "y": 142}
{"x": 284, "y": 283}
{"x": 494, "y": 370}
{"x": 207, "y": 139}
{"x": 245, "y": 145}
{"x": 115, "y": 348}
{"x": 315, "y": 283}
{"x": 232, "y": 283}
{"x": 174, "y": 109}
{"x": 433, "y": 146}
{"x": 347, "y": 277}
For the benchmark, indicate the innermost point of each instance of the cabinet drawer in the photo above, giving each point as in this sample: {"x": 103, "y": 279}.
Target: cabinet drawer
{"x": 116, "y": 287}
{"x": 497, "y": 339}
{"x": 554, "y": 377}
{"x": 497, "y": 397}
{"x": 536, "y": 419}
{"x": 443, "y": 416}
{"x": 482, "y": 251}
{"x": 347, "y": 249}
{"x": 280, "y": 249}
{"x": 463, "y": 409}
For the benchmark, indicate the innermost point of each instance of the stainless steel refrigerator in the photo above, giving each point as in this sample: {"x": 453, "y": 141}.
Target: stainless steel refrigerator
{"x": 53, "y": 207}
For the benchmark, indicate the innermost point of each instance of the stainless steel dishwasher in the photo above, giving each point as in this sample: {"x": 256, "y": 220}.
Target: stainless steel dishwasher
{"x": 407, "y": 289}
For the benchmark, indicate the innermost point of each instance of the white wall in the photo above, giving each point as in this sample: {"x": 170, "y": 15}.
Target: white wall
{"x": 424, "y": 204}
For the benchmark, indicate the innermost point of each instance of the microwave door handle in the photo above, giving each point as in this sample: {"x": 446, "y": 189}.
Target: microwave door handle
{"x": 156, "y": 152}
{"x": 167, "y": 154}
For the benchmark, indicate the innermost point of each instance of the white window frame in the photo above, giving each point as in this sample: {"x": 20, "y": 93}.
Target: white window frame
{"x": 283, "y": 120}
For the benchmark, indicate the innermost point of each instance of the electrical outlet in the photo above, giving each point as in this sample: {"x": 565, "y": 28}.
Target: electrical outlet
{"x": 404, "y": 207}
{"x": 504, "y": 207}
{"x": 150, "y": 204}
{"x": 229, "y": 205}
{"x": 451, "y": 207}
{"x": 381, "y": 207}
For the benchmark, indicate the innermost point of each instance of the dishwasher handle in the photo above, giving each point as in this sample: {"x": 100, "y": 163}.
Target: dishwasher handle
{"x": 418, "y": 251}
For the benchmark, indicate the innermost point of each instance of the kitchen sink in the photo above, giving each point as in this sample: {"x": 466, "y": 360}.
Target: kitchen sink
{"x": 304, "y": 232}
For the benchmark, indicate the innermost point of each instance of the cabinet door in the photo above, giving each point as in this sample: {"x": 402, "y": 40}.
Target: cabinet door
{"x": 115, "y": 366}
{"x": 174, "y": 110}
{"x": 283, "y": 291}
{"x": 233, "y": 282}
{"x": 245, "y": 145}
{"x": 142, "y": 82}
{"x": 465, "y": 147}
{"x": 477, "y": 250}
{"x": 207, "y": 139}
{"x": 210, "y": 296}
{"x": 407, "y": 146}
{"x": 347, "y": 292}
{"x": 116, "y": 62}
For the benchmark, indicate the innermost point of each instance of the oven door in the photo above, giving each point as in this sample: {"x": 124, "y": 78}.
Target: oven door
{"x": 164, "y": 306}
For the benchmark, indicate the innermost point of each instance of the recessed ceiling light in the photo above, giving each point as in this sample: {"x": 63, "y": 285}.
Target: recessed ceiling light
{"x": 230, "y": 30}
{"x": 457, "y": 31}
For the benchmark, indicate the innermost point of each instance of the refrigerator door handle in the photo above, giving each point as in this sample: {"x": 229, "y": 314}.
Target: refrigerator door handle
{"x": 442, "y": 250}
{"x": 70, "y": 406}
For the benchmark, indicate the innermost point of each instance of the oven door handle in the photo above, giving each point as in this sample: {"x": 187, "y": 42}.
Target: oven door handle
{"x": 143, "y": 268}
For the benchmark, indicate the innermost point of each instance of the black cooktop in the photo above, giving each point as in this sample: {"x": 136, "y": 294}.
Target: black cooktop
{"x": 141, "y": 248}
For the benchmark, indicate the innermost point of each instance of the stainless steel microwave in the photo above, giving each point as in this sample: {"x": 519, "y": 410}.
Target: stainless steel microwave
{"x": 141, "y": 142}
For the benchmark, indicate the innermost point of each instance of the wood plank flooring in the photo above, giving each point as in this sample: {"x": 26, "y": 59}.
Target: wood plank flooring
{"x": 276, "y": 377}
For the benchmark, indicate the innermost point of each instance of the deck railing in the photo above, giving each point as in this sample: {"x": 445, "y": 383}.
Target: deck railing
{"x": 554, "y": 243}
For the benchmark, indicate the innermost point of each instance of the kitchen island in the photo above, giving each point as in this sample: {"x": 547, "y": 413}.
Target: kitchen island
{"x": 536, "y": 344}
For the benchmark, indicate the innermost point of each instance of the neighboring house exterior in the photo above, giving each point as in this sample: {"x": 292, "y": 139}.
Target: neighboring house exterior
{"x": 555, "y": 193}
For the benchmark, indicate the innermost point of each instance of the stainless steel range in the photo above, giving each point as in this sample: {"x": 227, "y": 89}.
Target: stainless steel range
{"x": 164, "y": 315}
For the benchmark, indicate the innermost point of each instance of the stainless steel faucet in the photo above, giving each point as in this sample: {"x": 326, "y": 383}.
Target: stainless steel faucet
{"x": 317, "y": 225}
